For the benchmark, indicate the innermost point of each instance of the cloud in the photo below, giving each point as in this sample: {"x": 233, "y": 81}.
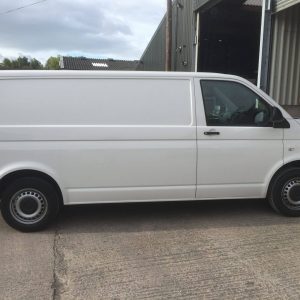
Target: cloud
{"x": 100, "y": 28}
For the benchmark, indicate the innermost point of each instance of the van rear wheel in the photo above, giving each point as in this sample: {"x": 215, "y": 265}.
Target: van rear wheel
{"x": 284, "y": 194}
{"x": 29, "y": 204}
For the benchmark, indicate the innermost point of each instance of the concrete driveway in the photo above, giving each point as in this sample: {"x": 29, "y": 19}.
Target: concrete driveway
{"x": 195, "y": 250}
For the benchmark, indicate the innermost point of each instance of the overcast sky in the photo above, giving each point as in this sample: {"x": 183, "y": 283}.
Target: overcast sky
{"x": 119, "y": 29}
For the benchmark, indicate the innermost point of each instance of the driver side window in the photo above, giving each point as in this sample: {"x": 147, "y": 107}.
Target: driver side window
{"x": 229, "y": 103}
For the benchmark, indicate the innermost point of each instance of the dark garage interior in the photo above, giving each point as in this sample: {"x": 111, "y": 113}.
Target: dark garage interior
{"x": 230, "y": 38}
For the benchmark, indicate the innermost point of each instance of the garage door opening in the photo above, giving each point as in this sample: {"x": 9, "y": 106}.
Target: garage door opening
{"x": 230, "y": 37}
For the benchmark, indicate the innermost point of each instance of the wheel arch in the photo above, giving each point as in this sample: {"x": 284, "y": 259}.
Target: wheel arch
{"x": 292, "y": 164}
{"x": 13, "y": 175}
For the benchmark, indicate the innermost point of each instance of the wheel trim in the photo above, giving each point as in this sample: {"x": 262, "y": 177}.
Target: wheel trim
{"x": 290, "y": 193}
{"x": 18, "y": 200}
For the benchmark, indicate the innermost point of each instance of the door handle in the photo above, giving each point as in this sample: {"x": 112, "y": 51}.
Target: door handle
{"x": 211, "y": 132}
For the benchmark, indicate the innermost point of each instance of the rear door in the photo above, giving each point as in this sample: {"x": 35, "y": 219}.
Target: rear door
{"x": 238, "y": 149}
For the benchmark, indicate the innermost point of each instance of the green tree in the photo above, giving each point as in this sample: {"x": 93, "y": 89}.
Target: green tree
{"x": 52, "y": 63}
{"x": 7, "y": 64}
{"x": 35, "y": 64}
{"x": 21, "y": 63}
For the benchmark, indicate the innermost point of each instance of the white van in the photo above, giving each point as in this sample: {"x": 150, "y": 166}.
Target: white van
{"x": 104, "y": 137}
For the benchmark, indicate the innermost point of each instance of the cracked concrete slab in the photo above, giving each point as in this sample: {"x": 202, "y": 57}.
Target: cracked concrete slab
{"x": 26, "y": 264}
{"x": 203, "y": 250}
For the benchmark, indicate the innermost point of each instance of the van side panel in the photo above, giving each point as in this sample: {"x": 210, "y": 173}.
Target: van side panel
{"x": 107, "y": 139}
{"x": 105, "y": 102}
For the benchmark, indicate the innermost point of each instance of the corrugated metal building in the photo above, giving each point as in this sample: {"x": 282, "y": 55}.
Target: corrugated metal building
{"x": 284, "y": 79}
{"x": 255, "y": 39}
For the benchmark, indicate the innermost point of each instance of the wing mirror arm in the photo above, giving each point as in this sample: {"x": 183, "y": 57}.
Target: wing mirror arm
{"x": 278, "y": 119}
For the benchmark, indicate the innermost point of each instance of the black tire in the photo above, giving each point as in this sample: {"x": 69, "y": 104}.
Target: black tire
{"x": 29, "y": 204}
{"x": 284, "y": 192}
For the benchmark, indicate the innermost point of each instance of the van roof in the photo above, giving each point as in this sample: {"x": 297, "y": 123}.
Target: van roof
{"x": 106, "y": 74}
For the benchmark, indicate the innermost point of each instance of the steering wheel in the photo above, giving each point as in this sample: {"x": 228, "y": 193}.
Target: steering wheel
{"x": 265, "y": 118}
{"x": 236, "y": 117}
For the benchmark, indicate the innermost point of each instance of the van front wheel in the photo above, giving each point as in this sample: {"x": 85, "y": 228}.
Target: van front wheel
{"x": 29, "y": 204}
{"x": 284, "y": 194}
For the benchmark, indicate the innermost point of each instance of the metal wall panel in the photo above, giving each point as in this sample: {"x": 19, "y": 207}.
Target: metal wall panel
{"x": 204, "y": 4}
{"x": 283, "y": 4}
{"x": 199, "y": 3}
{"x": 153, "y": 58}
{"x": 184, "y": 41}
{"x": 285, "y": 62}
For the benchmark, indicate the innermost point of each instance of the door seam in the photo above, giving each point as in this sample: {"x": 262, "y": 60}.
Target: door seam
{"x": 196, "y": 137}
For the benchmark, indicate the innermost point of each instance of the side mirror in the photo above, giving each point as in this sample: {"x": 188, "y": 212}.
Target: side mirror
{"x": 278, "y": 120}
